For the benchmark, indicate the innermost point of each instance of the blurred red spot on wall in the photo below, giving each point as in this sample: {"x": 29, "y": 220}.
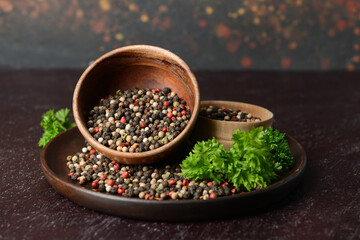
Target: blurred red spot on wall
{"x": 341, "y": 25}
{"x": 292, "y": 45}
{"x": 163, "y": 8}
{"x": 166, "y": 24}
{"x": 356, "y": 59}
{"x": 350, "y": 6}
{"x": 98, "y": 27}
{"x": 133, "y": 7}
{"x": 282, "y": 7}
{"x": 252, "y": 45}
{"x": 202, "y": 23}
{"x": 350, "y": 67}
{"x": 325, "y": 63}
{"x": 223, "y": 31}
{"x": 331, "y": 32}
{"x": 285, "y": 63}
{"x": 357, "y": 31}
{"x": 106, "y": 38}
{"x": 232, "y": 46}
{"x": 246, "y": 62}
{"x": 155, "y": 21}
{"x": 6, "y": 6}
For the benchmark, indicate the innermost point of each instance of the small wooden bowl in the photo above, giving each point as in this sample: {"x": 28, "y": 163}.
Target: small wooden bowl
{"x": 223, "y": 130}
{"x": 138, "y": 66}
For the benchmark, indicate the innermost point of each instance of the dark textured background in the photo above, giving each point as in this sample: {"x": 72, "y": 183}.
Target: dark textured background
{"x": 320, "y": 109}
{"x": 251, "y": 34}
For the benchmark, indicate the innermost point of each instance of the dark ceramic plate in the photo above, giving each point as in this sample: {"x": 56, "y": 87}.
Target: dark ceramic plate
{"x": 53, "y": 163}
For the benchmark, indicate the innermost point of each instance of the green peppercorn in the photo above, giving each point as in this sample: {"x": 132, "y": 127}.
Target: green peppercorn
{"x": 165, "y": 140}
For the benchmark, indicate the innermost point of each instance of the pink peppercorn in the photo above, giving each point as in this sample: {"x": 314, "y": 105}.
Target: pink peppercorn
{"x": 110, "y": 182}
{"x": 172, "y": 182}
{"x": 116, "y": 166}
{"x": 95, "y": 184}
{"x": 125, "y": 174}
{"x": 120, "y": 190}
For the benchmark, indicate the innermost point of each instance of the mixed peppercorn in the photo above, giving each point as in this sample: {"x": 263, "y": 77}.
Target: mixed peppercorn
{"x": 157, "y": 182}
{"x": 138, "y": 120}
{"x": 223, "y": 113}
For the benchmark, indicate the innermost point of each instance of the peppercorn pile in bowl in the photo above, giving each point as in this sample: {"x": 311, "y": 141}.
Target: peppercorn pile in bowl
{"x": 138, "y": 120}
{"x": 227, "y": 114}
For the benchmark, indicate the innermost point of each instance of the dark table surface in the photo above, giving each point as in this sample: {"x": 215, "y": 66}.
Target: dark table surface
{"x": 321, "y": 110}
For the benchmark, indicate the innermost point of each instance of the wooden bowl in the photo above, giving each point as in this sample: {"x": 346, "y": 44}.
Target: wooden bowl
{"x": 223, "y": 130}
{"x": 138, "y": 66}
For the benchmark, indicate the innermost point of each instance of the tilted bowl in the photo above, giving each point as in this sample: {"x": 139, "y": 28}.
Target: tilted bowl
{"x": 138, "y": 66}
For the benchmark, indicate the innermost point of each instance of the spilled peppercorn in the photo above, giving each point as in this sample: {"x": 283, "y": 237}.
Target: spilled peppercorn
{"x": 149, "y": 182}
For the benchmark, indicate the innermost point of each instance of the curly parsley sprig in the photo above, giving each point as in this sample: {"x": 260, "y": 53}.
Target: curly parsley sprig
{"x": 207, "y": 160}
{"x": 252, "y": 162}
{"x": 279, "y": 148}
{"x": 53, "y": 124}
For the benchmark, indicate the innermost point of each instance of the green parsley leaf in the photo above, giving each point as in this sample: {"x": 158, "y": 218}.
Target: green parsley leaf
{"x": 53, "y": 124}
{"x": 279, "y": 148}
{"x": 252, "y": 166}
{"x": 207, "y": 161}
{"x": 62, "y": 115}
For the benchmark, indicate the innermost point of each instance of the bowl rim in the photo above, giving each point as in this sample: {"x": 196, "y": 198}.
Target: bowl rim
{"x": 137, "y": 48}
{"x": 233, "y": 123}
